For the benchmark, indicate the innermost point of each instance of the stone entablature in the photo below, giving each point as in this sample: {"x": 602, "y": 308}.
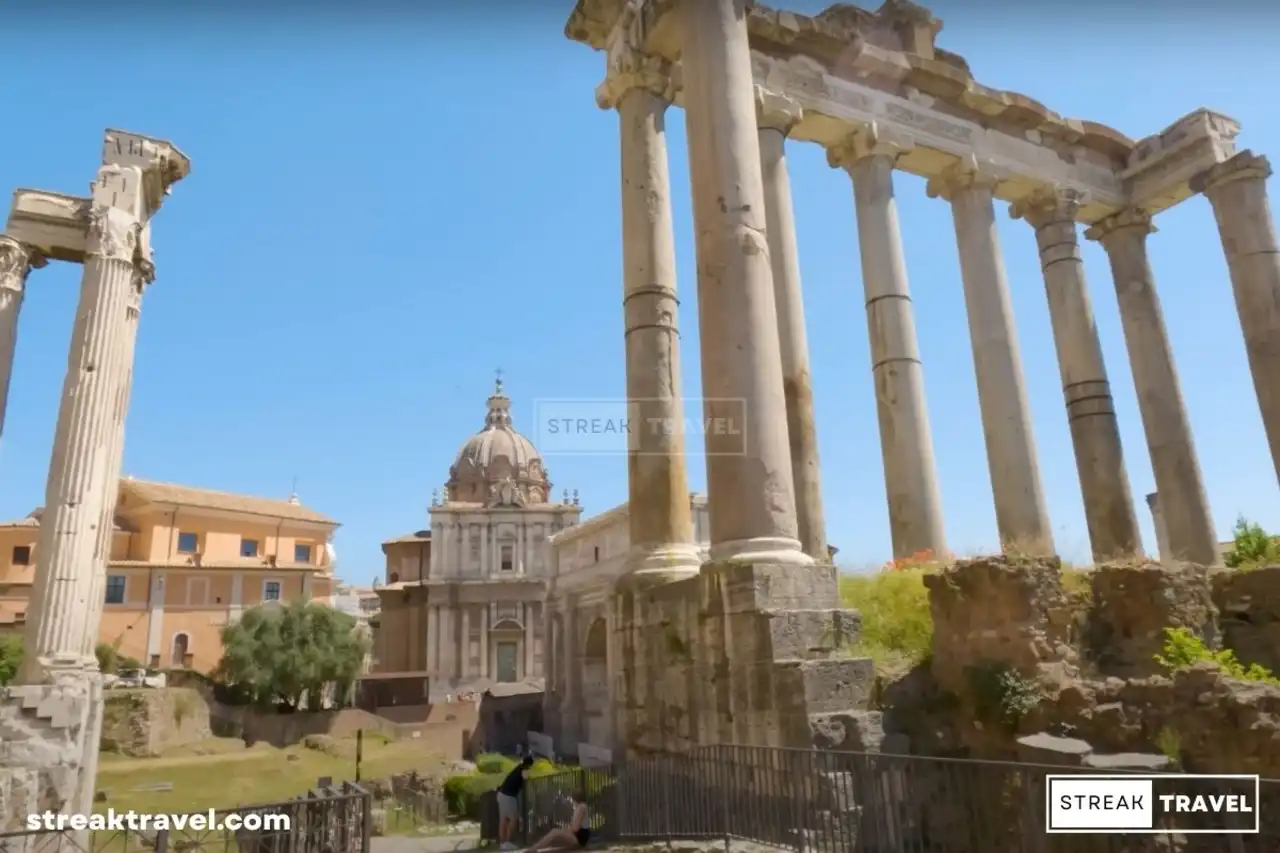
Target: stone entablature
{"x": 851, "y": 70}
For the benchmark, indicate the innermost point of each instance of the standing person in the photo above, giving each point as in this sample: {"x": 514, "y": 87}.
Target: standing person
{"x": 574, "y": 835}
{"x": 509, "y": 802}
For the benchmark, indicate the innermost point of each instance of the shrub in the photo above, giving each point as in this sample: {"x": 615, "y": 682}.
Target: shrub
{"x": 1183, "y": 649}
{"x": 492, "y": 762}
{"x": 1252, "y": 547}
{"x": 897, "y": 625}
{"x": 1002, "y": 695}
{"x": 10, "y": 657}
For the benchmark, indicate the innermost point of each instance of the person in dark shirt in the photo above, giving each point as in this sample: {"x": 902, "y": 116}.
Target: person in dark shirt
{"x": 509, "y": 802}
{"x": 574, "y": 835}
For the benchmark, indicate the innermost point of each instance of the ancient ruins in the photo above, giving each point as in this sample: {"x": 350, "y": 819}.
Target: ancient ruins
{"x": 50, "y": 721}
{"x": 878, "y": 94}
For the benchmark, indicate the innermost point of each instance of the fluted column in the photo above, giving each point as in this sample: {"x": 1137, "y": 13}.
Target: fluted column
{"x": 143, "y": 274}
{"x": 1091, "y": 413}
{"x": 749, "y": 485}
{"x": 16, "y": 263}
{"x": 1237, "y": 189}
{"x": 80, "y": 483}
{"x": 777, "y": 115}
{"x": 1021, "y": 515}
{"x": 906, "y": 440}
{"x": 1183, "y": 502}
{"x": 659, "y": 522}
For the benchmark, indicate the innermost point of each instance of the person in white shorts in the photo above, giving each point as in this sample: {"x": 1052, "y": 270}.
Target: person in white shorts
{"x": 509, "y": 802}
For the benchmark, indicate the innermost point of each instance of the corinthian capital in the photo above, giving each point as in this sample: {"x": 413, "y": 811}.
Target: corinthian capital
{"x": 16, "y": 262}
{"x": 160, "y": 163}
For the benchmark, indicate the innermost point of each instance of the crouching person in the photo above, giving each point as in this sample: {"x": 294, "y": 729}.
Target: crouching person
{"x": 573, "y": 836}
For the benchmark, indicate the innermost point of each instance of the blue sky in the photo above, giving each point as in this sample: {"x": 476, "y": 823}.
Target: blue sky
{"x": 386, "y": 206}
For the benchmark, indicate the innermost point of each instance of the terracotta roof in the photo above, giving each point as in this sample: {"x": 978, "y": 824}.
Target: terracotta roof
{"x": 170, "y": 493}
{"x": 417, "y": 536}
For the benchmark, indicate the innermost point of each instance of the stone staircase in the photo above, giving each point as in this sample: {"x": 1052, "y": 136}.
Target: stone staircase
{"x": 42, "y": 731}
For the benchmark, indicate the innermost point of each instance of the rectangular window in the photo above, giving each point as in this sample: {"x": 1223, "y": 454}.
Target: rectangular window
{"x": 115, "y": 589}
{"x": 248, "y": 547}
{"x": 507, "y": 558}
{"x": 188, "y": 543}
{"x": 22, "y": 555}
{"x": 271, "y": 591}
{"x": 302, "y": 553}
{"x": 197, "y": 591}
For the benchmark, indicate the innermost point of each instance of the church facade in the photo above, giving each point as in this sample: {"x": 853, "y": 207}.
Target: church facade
{"x": 463, "y": 600}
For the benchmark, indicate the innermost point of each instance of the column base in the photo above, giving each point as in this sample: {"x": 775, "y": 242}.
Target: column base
{"x": 658, "y": 564}
{"x": 761, "y": 549}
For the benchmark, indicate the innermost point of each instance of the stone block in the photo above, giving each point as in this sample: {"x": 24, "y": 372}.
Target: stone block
{"x": 1139, "y": 761}
{"x": 853, "y": 731}
{"x": 1044, "y": 748}
{"x": 736, "y": 588}
{"x": 793, "y": 634}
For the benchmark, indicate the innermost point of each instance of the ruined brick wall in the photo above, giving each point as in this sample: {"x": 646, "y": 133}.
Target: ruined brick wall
{"x": 1132, "y": 606}
{"x": 996, "y": 610}
{"x": 1249, "y": 614}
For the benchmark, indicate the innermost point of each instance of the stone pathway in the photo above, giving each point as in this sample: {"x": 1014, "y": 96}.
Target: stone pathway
{"x": 423, "y": 843}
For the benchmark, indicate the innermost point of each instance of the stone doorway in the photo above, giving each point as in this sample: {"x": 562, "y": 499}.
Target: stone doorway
{"x": 178, "y": 654}
{"x": 595, "y": 685}
{"x": 506, "y": 662}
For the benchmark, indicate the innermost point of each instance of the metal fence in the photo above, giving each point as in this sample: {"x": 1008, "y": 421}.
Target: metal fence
{"x": 327, "y": 820}
{"x": 814, "y": 801}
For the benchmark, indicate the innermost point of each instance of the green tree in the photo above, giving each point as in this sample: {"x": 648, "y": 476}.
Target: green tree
{"x": 1252, "y": 546}
{"x": 10, "y": 657}
{"x": 108, "y": 657}
{"x": 285, "y": 655}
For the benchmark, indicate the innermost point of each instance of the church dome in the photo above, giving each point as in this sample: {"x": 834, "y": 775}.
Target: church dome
{"x": 498, "y": 466}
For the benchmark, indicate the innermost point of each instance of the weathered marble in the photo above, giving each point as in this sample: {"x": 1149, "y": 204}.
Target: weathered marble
{"x": 906, "y": 440}
{"x": 1184, "y": 505}
{"x": 777, "y": 115}
{"x": 16, "y": 263}
{"x": 749, "y": 483}
{"x": 1021, "y": 514}
{"x": 661, "y": 528}
{"x": 1091, "y": 412}
{"x": 1237, "y": 189}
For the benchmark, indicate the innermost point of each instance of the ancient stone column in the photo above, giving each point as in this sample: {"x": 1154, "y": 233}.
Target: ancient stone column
{"x": 1157, "y": 521}
{"x": 16, "y": 263}
{"x": 1183, "y": 502}
{"x": 1091, "y": 413}
{"x": 85, "y": 468}
{"x": 777, "y": 114}
{"x": 749, "y": 485}
{"x": 906, "y": 441}
{"x": 79, "y": 482}
{"x": 660, "y": 524}
{"x": 144, "y": 274}
{"x": 1021, "y": 515}
{"x": 1237, "y": 189}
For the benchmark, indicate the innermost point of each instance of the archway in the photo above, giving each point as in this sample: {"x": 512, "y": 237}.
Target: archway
{"x": 595, "y": 685}
{"x": 178, "y": 654}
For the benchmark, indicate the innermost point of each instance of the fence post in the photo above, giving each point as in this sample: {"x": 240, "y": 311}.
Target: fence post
{"x": 666, "y": 800}
{"x": 366, "y": 823}
{"x": 162, "y": 841}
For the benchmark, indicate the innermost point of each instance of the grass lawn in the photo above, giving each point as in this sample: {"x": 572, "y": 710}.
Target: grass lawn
{"x": 261, "y": 775}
